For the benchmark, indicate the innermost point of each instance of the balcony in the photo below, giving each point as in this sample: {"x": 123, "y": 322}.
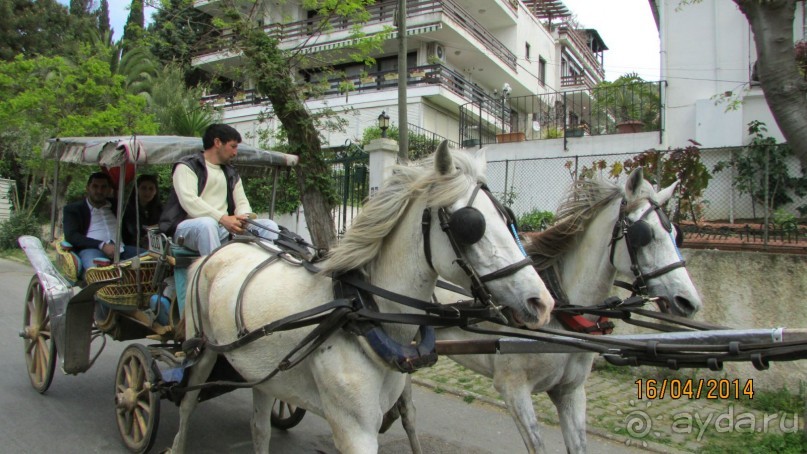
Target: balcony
{"x": 423, "y": 17}
{"x": 420, "y": 76}
{"x": 614, "y": 109}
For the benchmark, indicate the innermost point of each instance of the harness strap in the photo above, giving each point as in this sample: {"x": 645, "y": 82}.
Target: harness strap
{"x": 293, "y": 321}
{"x": 507, "y": 270}
{"x": 239, "y": 302}
{"x": 425, "y": 225}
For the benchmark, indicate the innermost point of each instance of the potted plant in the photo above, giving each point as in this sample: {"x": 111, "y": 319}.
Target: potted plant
{"x": 628, "y": 104}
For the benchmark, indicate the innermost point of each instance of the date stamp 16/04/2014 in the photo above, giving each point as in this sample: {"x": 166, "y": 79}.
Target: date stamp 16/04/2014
{"x": 694, "y": 388}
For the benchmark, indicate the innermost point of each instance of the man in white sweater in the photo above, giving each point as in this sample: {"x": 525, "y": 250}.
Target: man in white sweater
{"x": 207, "y": 202}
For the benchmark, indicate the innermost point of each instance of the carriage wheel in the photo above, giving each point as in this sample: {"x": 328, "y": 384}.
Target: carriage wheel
{"x": 285, "y": 415}
{"x": 40, "y": 349}
{"x": 137, "y": 405}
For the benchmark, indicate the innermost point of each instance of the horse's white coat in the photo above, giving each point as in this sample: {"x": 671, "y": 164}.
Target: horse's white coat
{"x": 342, "y": 381}
{"x": 587, "y": 277}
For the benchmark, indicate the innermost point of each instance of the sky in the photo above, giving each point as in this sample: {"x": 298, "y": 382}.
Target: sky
{"x": 629, "y": 32}
{"x": 626, "y": 26}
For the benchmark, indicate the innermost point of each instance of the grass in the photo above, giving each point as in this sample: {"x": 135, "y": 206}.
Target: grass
{"x": 756, "y": 443}
{"x": 16, "y": 255}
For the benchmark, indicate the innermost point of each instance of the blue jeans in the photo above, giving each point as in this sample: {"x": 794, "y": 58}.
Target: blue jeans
{"x": 205, "y": 234}
{"x": 88, "y": 255}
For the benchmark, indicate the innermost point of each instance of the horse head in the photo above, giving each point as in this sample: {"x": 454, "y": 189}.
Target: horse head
{"x": 470, "y": 243}
{"x": 644, "y": 245}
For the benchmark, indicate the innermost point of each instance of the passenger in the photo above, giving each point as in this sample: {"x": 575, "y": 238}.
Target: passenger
{"x": 207, "y": 202}
{"x": 146, "y": 200}
{"x": 90, "y": 225}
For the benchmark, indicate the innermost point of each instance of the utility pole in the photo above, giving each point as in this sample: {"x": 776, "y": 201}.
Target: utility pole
{"x": 403, "y": 77}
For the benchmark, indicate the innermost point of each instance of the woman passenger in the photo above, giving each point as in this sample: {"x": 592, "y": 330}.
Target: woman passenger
{"x": 150, "y": 207}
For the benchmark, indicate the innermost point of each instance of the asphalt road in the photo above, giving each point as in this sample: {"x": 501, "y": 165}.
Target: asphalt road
{"x": 76, "y": 414}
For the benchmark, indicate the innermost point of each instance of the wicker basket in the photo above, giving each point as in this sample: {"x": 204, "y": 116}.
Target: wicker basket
{"x": 67, "y": 262}
{"x": 123, "y": 293}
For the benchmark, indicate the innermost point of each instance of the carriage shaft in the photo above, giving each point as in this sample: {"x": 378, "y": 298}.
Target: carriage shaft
{"x": 510, "y": 345}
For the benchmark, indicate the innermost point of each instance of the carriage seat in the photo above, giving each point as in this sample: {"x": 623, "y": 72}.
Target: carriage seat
{"x": 67, "y": 262}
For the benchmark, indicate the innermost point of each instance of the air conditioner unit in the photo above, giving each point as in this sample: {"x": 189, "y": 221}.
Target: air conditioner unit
{"x": 435, "y": 51}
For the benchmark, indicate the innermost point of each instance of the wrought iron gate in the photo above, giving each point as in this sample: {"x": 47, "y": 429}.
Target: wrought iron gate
{"x": 351, "y": 177}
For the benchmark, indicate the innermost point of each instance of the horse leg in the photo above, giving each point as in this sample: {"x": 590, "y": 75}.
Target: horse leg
{"x": 198, "y": 375}
{"x": 261, "y": 419}
{"x": 407, "y": 411}
{"x": 570, "y": 402}
{"x": 517, "y": 394}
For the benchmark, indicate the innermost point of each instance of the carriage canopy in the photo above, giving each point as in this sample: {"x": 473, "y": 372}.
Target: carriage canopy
{"x": 113, "y": 151}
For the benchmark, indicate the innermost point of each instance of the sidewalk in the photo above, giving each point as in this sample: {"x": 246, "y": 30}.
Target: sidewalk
{"x": 615, "y": 412}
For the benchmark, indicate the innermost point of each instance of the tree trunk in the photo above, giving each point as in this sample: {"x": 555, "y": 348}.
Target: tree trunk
{"x": 783, "y": 86}
{"x": 269, "y": 67}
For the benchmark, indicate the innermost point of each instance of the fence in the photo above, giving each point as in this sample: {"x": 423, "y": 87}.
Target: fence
{"x": 614, "y": 109}
{"x": 735, "y": 198}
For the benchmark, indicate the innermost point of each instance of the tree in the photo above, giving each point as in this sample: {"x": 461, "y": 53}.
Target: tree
{"x": 176, "y": 32}
{"x": 784, "y": 88}
{"x": 135, "y": 24}
{"x": 104, "y": 29}
{"x": 274, "y": 72}
{"x": 21, "y": 30}
{"x": 53, "y": 96}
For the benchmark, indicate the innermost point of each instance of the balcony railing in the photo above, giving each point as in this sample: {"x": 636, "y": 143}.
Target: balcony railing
{"x": 383, "y": 13}
{"x": 582, "y": 47}
{"x": 359, "y": 84}
{"x": 612, "y": 109}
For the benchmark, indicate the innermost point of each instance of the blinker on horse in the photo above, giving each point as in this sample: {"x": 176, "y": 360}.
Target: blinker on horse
{"x": 342, "y": 379}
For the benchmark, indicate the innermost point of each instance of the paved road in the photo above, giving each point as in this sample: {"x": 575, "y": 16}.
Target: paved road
{"x": 76, "y": 414}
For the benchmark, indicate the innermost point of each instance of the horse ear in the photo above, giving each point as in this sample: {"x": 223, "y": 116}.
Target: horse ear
{"x": 443, "y": 163}
{"x": 635, "y": 180}
{"x": 665, "y": 194}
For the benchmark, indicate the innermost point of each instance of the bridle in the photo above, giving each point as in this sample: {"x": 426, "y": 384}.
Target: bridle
{"x": 465, "y": 227}
{"x": 638, "y": 234}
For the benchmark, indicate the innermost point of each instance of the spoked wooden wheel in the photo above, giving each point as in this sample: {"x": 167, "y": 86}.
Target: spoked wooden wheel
{"x": 40, "y": 350}
{"x": 285, "y": 415}
{"x": 137, "y": 406}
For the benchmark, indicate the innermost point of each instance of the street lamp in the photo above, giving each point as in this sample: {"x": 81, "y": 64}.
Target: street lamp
{"x": 383, "y": 124}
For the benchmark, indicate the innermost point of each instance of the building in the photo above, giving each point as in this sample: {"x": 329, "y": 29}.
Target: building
{"x": 460, "y": 52}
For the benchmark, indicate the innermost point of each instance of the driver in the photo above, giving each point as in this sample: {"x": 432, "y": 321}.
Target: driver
{"x": 207, "y": 202}
{"x": 90, "y": 225}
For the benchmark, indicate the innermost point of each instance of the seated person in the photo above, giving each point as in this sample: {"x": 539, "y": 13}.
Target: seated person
{"x": 143, "y": 210}
{"x": 207, "y": 202}
{"x": 90, "y": 224}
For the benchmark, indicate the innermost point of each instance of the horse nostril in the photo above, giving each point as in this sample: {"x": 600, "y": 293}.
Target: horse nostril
{"x": 538, "y": 305}
{"x": 685, "y": 306}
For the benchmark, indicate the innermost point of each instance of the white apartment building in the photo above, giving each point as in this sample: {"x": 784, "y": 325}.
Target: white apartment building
{"x": 459, "y": 52}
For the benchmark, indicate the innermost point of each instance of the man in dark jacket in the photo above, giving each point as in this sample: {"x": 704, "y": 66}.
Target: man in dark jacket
{"x": 90, "y": 225}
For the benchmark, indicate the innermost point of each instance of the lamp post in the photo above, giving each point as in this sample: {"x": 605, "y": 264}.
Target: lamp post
{"x": 383, "y": 124}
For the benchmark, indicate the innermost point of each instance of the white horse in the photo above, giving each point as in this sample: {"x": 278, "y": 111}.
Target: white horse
{"x": 587, "y": 256}
{"x": 343, "y": 380}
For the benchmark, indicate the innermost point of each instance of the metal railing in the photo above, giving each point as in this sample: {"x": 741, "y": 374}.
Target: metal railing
{"x": 383, "y": 13}
{"x": 611, "y": 109}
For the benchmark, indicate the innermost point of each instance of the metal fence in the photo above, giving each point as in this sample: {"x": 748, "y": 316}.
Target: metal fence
{"x": 765, "y": 195}
{"x": 613, "y": 109}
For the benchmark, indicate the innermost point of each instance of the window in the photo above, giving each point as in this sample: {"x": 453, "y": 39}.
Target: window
{"x": 527, "y": 51}
{"x": 541, "y": 70}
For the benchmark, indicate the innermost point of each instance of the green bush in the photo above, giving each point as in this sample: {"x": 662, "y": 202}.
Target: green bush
{"x": 535, "y": 220}
{"x": 17, "y": 225}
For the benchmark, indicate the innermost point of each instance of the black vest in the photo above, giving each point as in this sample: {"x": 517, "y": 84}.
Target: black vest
{"x": 173, "y": 213}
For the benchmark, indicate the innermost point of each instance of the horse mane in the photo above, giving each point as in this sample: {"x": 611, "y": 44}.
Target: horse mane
{"x": 584, "y": 200}
{"x": 381, "y": 213}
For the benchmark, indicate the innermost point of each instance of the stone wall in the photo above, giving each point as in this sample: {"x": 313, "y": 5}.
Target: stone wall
{"x": 749, "y": 290}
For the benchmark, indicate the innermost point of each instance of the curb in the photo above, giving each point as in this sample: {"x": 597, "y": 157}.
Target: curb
{"x": 596, "y": 431}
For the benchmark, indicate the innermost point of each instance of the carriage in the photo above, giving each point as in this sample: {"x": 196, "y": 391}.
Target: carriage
{"x": 70, "y": 311}
{"x": 58, "y": 321}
